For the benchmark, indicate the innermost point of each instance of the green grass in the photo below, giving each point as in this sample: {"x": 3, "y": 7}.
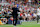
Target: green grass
{"x": 24, "y": 24}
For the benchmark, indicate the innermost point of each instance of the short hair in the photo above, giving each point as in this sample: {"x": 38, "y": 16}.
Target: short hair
{"x": 15, "y": 5}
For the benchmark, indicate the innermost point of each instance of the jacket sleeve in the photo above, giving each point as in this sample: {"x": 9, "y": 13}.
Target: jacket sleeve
{"x": 18, "y": 10}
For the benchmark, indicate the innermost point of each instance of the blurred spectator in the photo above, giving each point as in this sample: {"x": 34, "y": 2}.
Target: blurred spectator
{"x": 28, "y": 10}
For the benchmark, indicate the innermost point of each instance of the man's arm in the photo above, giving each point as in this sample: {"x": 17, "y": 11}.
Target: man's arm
{"x": 10, "y": 10}
{"x": 18, "y": 10}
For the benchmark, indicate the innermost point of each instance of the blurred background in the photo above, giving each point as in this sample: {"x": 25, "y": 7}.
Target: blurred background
{"x": 28, "y": 10}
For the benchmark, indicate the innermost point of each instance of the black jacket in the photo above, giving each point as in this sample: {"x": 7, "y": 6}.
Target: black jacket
{"x": 15, "y": 10}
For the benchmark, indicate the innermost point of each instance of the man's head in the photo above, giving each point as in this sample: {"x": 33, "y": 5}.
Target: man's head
{"x": 15, "y": 5}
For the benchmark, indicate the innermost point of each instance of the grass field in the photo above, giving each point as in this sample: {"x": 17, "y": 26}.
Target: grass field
{"x": 24, "y": 24}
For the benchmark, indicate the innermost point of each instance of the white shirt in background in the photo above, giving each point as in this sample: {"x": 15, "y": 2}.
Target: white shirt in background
{"x": 38, "y": 11}
{"x": 25, "y": 15}
{"x": 20, "y": 9}
{"x": 29, "y": 0}
{"x": 34, "y": 15}
{"x": 29, "y": 15}
{"x": 3, "y": 9}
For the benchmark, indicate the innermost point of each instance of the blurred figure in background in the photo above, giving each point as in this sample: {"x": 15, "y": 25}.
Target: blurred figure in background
{"x": 38, "y": 14}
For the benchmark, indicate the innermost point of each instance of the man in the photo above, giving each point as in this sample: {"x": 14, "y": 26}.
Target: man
{"x": 38, "y": 14}
{"x": 14, "y": 13}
